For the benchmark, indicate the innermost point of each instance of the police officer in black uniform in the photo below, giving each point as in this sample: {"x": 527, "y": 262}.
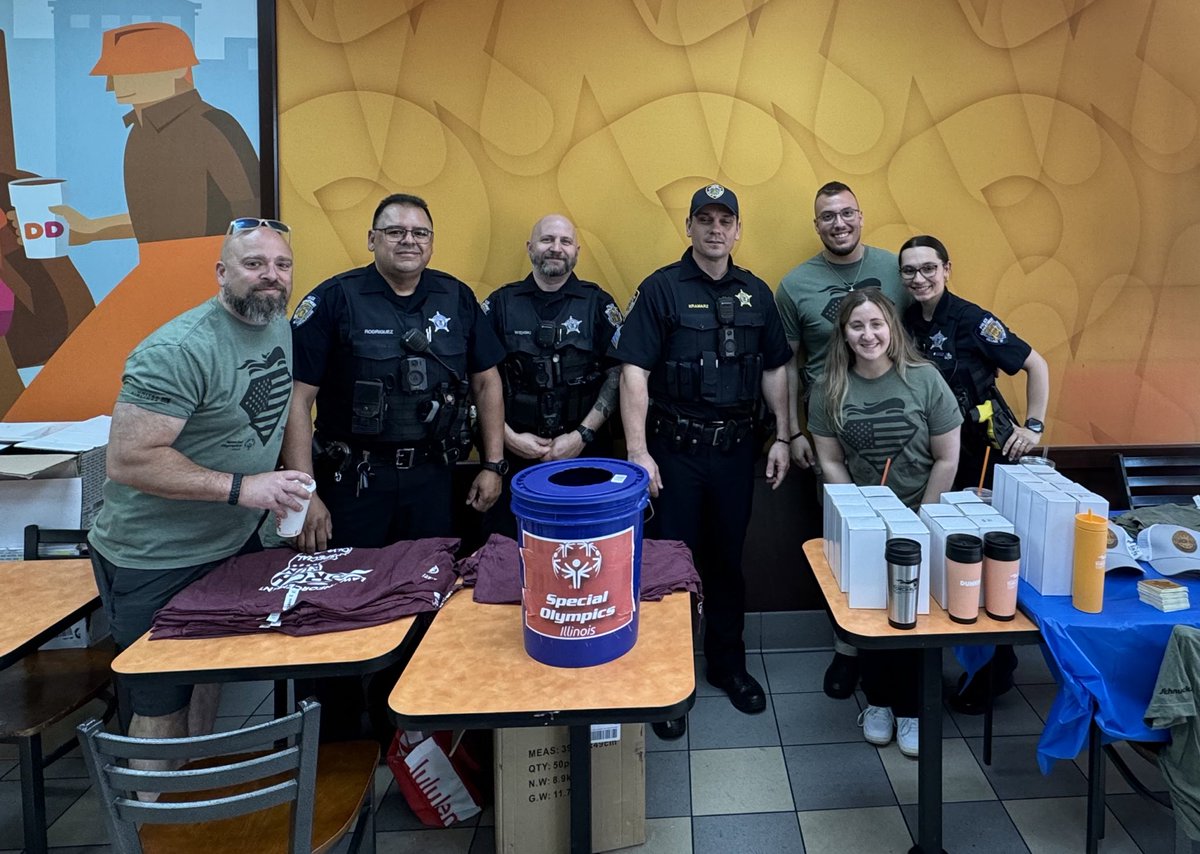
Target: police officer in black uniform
{"x": 703, "y": 347}
{"x": 559, "y": 387}
{"x": 969, "y": 344}
{"x": 392, "y": 354}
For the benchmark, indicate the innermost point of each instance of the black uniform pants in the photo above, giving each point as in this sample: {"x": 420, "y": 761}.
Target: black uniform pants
{"x": 705, "y": 501}
{"x": 396, "y": 504}
{"x": 892, "y": 678}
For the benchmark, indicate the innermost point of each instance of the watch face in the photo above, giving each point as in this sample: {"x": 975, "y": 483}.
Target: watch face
{"x": 1034, "y": 425}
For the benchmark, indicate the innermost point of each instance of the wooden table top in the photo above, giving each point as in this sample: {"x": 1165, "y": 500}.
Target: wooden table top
{"x": 267, "y": 655}
{"x": 42, "y": 597}
{"x": 471, "y": 669}
{"x": 869, "y": 628}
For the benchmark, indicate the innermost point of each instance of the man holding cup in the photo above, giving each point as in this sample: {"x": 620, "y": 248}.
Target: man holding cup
{"x": 196, "y": 433}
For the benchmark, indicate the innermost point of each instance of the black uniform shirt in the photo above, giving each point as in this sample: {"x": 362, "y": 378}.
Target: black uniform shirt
{"x": 966, "y": 343}
{"x": 548, "y": 304}
{"x": 652, "y": 317}
{"x": 321, "y": 331}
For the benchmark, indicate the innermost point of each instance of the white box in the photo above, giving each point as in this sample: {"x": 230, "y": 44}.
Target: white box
{"x": 842, "y": 512}
{"x": 1084, "y": 502}
{"x": 863, "y": 565}
{"x": 961, "y": 497}
{"x": 1024, "y": 503}
{"x": 929, "y": 512}
{"x": 832, "y": 492}
{"x": 886, "y": 502}
{"x": 1020, "y": 481}
{"x": 1002, "y": 482}
{"x": 939, "y": 529}
{"x": 82, "y": 633}
{"x": 912, "y": 529}
{"x": 1052, "y": 476}
{"x": 877, "y": 491}
{"x": 901, "y": 514}
{"x": 1050, "y": 542}
{"x": 979, "y": 509}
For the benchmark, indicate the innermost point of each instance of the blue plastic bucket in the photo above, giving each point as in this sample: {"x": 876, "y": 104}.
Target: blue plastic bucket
{"x": 580, "y": 533}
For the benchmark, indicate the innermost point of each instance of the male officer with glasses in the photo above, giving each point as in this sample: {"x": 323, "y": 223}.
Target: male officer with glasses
{"x": 808, "y": 298}
{"x": 559, "y": 389}
{"x": 702, "y": 347}
{"x": 392, "y": 353}
{"x": 196, "y": 434}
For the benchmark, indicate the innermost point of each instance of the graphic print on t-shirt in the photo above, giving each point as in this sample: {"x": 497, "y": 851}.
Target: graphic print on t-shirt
{"x": 267, "y": 392}
{"x": 878, "y": 430}
{"x": 839, "y": 293}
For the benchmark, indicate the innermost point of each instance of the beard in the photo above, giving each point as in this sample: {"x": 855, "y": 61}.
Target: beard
{"x": 256, "y": 307}
{"x": 840, "y": 251}
{"x": 554, "y": 267}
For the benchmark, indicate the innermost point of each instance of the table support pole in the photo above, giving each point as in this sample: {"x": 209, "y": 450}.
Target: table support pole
{"x": 1095, "y": 796}
{"x": 282, "y": 709}
{"x": 929, "y": 763}
{"x": 581, "y": 789}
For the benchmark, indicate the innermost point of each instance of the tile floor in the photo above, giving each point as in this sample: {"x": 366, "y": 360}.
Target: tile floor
{"x": 797, "y": 778}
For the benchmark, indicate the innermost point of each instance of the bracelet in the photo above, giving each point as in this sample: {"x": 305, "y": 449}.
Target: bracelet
{"x": 235, "y": 489}
{"x": 795, "y": 436}
{"x": 783, "y": 441}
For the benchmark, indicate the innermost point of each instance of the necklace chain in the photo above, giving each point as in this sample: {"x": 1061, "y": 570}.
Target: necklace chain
{"x": 857, "y": 270}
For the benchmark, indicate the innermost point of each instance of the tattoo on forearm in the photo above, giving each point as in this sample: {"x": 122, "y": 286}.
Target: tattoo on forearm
{"x": 606, "y": 400}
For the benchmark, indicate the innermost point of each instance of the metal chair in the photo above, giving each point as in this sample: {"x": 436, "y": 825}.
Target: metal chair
{"x": 1167, "y": 479}
{"x": 41, "y": 690}
{"x": 265, "y": 788}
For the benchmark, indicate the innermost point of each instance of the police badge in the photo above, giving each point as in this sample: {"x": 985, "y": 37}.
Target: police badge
{"x": 304, "y": 311}
{"x": 613, "y": 314}
{"x": 992, "y": 330}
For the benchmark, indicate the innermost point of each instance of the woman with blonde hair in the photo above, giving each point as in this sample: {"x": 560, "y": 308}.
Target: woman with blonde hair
{"x": 879, "y": 401}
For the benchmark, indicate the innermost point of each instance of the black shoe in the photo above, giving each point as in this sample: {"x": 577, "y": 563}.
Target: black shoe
{"x": 841, "y": 677}
{"x": 670, "y": 730}
{"x": 744, "y": 691}
{"x": 973, "y": 699}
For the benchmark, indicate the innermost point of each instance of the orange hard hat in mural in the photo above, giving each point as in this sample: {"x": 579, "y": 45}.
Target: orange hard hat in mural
{"x": 144, "y": 48}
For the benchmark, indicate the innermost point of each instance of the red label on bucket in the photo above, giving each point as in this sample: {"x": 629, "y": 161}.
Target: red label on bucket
{"x": 578, "y": 588}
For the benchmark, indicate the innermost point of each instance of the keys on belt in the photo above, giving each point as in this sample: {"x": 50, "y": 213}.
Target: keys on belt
{"x": 399, "y": 458}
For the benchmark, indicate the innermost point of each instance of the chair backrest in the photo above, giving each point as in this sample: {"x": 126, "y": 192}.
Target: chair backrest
{"x": 1152, "y": 479}
{"x": 268, "y": 764}
{"x": 36, "y": 537}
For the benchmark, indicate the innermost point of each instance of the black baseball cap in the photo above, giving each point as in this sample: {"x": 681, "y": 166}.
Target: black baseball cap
{"x": 714, "y": 194}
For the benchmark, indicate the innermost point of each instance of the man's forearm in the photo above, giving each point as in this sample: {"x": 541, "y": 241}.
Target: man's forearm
{"x": 793, "y": 397}
{"x": 775, "y": 392}
{"x": 489, "y": 400}
{"x": 297, "y": 436}
{"x": 169, "y": 474}
{"x": 635, "y": 403}
{"x": 606, "y": 400}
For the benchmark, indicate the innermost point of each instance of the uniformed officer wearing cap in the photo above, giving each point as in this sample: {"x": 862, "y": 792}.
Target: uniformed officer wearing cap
{"x": 702, "y": 347}
{"x": 559, "y": 387}
{"x": 390, "y": 353}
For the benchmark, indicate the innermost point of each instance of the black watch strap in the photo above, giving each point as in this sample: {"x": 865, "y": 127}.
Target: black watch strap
{"x": 587, "y": 433}
{"x": 235, "y": 489}
{"x": 500, "y": 467}
{"x": 1035, "y": 425}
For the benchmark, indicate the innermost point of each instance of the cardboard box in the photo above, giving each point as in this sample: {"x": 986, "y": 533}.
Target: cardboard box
{"x": 902, "y": 514}
{"x": 1051, "y": 542}
{"x": 1001, "y": 483}
{"x": 82, "y": 633}
{"x": 941, "y": 527}
{"x": 913, "y": 529}
{"x": 833, "y": 492}
{"x": 877, "y": 491}
{"x": 533, "y": 790}
{"x": 886, "y": 502}
{"x": 977, "y": 509}
{"x": 1020, "y": 482}
{"x": 863, "y": 567}
{"x": 929, "y": 512}
{"x": 841, "y": 514}
{"x": 961, "y": 497}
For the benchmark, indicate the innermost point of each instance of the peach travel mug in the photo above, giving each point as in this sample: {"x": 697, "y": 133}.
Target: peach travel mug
{"x": 1001, "y": 569}
{"x": 964, "y": 570}
{"x": 1087, "y": 580}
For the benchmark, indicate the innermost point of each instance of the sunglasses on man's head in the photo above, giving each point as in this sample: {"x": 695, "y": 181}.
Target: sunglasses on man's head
{"x": 249, "y": 223}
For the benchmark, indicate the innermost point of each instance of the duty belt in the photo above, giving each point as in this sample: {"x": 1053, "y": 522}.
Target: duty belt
{"x": 692, "y": 434}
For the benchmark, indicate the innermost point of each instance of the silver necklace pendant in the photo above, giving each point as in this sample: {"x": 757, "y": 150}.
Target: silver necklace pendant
{"x": 857, "y": 270}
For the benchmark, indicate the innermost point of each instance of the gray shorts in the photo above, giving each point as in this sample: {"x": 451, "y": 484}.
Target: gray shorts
{"x": 130, "y": 597}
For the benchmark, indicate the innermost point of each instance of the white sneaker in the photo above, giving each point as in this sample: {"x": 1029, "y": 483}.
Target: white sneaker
{"x": 876, "y": 722}
{"x": 906, "y": 736}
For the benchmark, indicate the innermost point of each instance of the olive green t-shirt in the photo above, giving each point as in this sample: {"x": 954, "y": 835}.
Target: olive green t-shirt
{"x": 231, "y": 382}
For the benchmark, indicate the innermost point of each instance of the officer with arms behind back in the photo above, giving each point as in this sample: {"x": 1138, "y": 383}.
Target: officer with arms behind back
{"x": 558, "y": 393}
{"x": 703, "y": 347}
{"x": 195, "y": 436}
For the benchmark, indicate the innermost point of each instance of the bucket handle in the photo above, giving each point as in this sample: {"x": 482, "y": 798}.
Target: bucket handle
{"x": 649, "y": 512}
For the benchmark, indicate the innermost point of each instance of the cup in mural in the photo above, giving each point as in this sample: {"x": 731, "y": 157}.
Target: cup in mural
{"x": 45, "y": 234}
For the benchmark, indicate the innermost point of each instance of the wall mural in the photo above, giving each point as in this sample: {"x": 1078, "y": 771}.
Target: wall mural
{"x": 1052, "y": 146}
{"x": 128, "y": 140}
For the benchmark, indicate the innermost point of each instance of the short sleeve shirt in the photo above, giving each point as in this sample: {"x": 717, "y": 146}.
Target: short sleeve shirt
{"x": 890, "y": 417}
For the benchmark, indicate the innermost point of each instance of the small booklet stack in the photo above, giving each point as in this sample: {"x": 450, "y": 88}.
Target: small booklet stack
{"x": 1163, "y": 595}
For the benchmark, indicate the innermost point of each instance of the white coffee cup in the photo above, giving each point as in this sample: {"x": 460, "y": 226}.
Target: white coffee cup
{"x": 45, "y": 235}
{"x": 293, "y": 520}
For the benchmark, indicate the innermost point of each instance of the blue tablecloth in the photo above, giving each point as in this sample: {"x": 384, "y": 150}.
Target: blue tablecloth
{"x": 1106, "y": 664}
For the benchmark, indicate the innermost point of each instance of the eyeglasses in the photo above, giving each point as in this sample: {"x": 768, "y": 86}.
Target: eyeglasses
{"x": 249, "y": 223}
{"x": 847, "y": 215}
{"x": 926, "y": 270}
{"x": 397, "y": 233}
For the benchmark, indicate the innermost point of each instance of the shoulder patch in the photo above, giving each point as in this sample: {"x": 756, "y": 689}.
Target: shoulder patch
{"x": 632, "y": 301}
{"x": 305, "y": 310}
{"x": 613, "y": 314}
{"x": 485, "y": 306}
{"x": 992, "y": 330}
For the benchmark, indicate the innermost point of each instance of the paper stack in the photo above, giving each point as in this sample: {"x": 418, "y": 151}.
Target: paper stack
{"x": 1163, "y": 595}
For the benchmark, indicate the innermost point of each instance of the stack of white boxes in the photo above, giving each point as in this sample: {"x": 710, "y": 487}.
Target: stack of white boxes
{"x": 858, "y": 522}
{"x": 1042, "y": 505}
{"x": 959, "y": 513}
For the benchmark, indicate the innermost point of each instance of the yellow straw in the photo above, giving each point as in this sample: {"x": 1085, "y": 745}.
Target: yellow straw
{"x": 986, "y": 454}
{"x": 886, "y": 468}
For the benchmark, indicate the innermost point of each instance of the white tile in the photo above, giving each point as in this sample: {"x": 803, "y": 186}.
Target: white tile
{"x": 748, "y": 779}
{"x": 871, "y": 830}
{"x": 962, "y": 778}
{"x": 1058, "y": 826}
{"x": 665, "y": 836}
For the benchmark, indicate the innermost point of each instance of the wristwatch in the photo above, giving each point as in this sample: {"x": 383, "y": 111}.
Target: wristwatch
{"x": 1035, "y": 425}
{"x": 500, "y": 467}
{"x": 588, "y": 434}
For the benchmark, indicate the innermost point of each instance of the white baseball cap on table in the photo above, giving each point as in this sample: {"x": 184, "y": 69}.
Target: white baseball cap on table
{"x": 1122, "y": 551}
{"x": 1170, "y": 549}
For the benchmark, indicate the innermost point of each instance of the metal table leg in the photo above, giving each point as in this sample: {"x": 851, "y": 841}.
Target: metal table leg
{"x": 581, "y": 789}
{"x": 1095, "y": 793}
{"x": 282, "y": 707}
{"x": 929, "y": 763}
{"x": 33, "y": 794}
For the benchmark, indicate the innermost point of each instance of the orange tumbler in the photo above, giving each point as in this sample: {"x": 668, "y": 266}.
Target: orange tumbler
{"x": 1087, "y": 580}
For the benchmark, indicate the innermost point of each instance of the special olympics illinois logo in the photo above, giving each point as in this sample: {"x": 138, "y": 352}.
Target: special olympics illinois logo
{"x": 576, "y": 562}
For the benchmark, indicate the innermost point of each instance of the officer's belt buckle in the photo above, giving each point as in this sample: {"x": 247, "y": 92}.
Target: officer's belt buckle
{"x": 719, "y": 428}
{"x": 406, "y": 458}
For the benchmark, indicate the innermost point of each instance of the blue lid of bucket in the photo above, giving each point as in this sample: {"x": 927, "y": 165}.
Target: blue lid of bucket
{"x": 593, "y": 482}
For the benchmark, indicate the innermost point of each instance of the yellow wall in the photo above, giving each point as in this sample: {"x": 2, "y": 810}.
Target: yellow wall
{"x": 1052, "y": 144}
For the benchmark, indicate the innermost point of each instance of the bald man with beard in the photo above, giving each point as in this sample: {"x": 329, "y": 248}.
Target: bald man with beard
{"x": 559, "y": 388}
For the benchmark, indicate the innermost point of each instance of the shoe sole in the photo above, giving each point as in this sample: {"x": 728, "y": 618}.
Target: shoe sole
{"x": 915, "y": 754}
{"x": 875, "y": 741}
